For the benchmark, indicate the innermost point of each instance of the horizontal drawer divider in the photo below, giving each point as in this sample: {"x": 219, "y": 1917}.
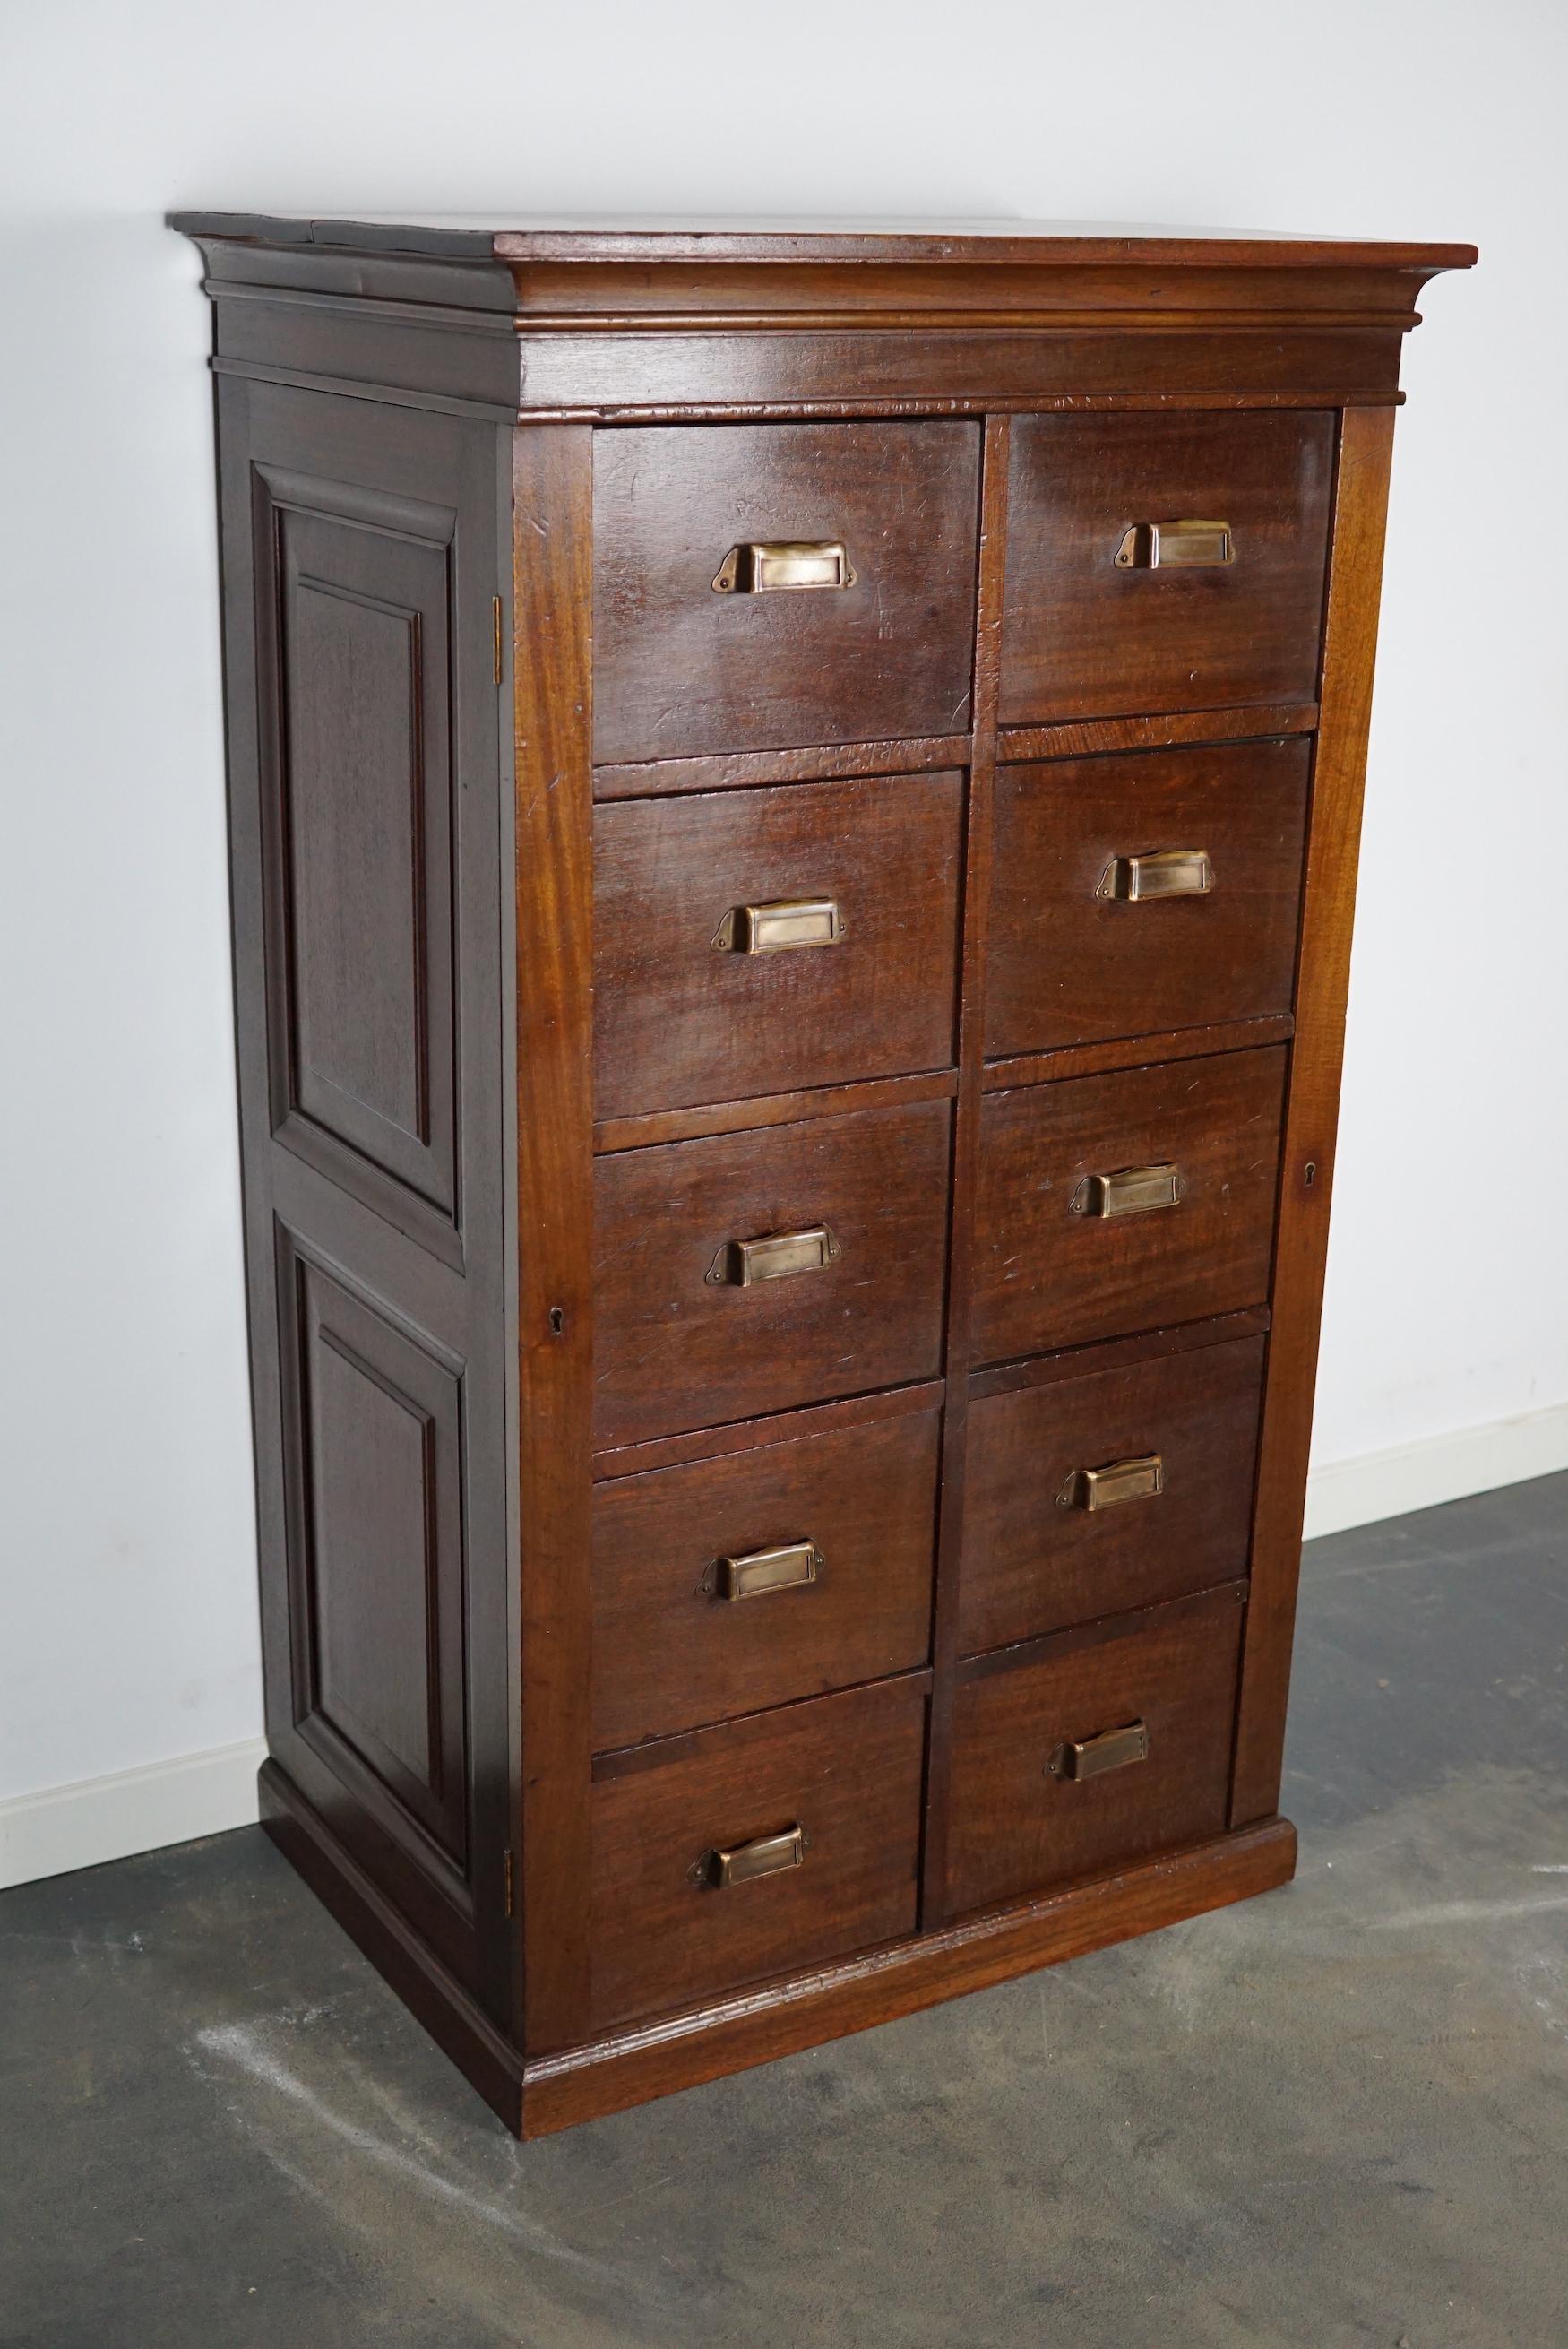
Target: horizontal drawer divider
{"x": 1135, "y": 1052}
{"x": 1095, "y": 1633}
{"x": 744, "y": 1728}
{"x": 1083, "y": 738}
{"x": 778, "y": 1427}
{"x": 1115, "y": 1353}
{"x": 743, "y": 769}
{"x": 652, "y": 1127}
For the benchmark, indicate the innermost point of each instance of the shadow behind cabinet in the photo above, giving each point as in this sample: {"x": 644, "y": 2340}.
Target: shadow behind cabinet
{"x": 794, "y": 802}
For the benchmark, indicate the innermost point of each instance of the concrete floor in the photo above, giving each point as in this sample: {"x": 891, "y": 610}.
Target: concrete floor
{"x": 1334, "y": 2117}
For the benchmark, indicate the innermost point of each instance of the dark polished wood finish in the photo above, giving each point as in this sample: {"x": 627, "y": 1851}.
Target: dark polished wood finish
{"x": 672, "y": 1650}
{"x": 681, "y": 670}
{"x": 680, "y": 1023}
{"x": 504, "y": 1139}
{"x": 1073, "y": 964}
{"x": 1047, "y": 1275}
{"x": 1018, "y": 1825}
{"x": 1037, "y": 1560}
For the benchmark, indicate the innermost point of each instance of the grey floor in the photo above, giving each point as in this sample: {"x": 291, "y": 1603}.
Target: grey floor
{"x": 1335, "y": 2116}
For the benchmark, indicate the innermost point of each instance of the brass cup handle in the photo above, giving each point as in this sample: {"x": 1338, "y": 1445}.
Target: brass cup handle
{"x": 742, "y": 1264}
{"x": 1119, "y": 1480}
{"x": 1176, "y": 546}
{"x": 764, "y": 567}
{"x": 1130, "y": 1191}
{"x": 752, "y": 1573}
{"x": 1167, "y": 873}
{"x": 782, "y": 922}
{"x": 744, "y": 1862}
{"x": 1090, "y": 1757}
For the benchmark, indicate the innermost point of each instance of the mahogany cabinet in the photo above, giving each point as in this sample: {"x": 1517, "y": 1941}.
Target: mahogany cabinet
{"x": 794, "y": 799}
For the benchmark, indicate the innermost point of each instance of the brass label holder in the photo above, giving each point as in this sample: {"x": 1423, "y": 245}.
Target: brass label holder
{"x": 742, "y": 1264}
{"x": 753, "y": 1573}
{"x": 762, "y": 567}
{"x": 1166, "y": 873}
{"x": 745, "y": 1862}
{"x": 1130, "y": 1191}
{"x": 1077, "y": 1758}
{"x": 782, "y": 923}
{"x": 1119, "y": 1480}
{"x": 1176, "y": 546}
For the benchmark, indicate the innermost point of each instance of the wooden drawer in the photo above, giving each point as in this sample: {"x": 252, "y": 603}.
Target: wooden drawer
{"x": 1019, "y": 1823}
{"x": 870, "y": 993}
{"x": 690, "y": 1625}
{"x": 1085, "y": 943}
{"x": 845, "y": 1770}
{"x": 682, "y": 666}
{"x": 1050, "y": 1539}
{"x": 1087, "y": 636}
{"x": 1049, "y": 1271}
{"x": 680, "y": 1343}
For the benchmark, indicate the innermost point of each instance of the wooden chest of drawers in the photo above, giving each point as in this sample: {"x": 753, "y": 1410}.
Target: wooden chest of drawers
{"x": 794, "y": 801}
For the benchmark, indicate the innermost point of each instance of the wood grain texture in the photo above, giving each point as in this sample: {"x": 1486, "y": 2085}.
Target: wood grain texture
{"x": 846, "y": 1769}
{"x": 1084, "y": 639}
{"x": 677, "y": 1023}
{"x": 1047, "y": 1277}
{"x": 1070, "y": 966}
{"x": 680, "y": 669}
{"x": 642, "y": 1132}
{"x": 1311, "y": 1115}
{"x": 777, "y": 1427}
{"x": 1034, "y": 1564}
{"x": 671, "y": 1653}
{"x": 745, "y": 770}
{"x": 1135, "y": 1051}
{"x": 1116, "y": 1353}
{"x": 1088, "y": 737}
{"x": 1016, "y": 1827}
{"x": 811, "y": 2007}
{"x": 675, "y": 1351}
{"x": 552, "y": 576}
{"x": 980, "y": 819}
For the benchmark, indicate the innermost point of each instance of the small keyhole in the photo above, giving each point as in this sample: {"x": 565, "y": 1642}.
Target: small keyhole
{"x": 557, "y": 1320}
{"x": 1309, "y": 1173}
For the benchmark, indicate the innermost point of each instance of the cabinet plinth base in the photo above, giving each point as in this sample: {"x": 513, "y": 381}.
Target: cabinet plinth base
{"x": 777, "y": 2018}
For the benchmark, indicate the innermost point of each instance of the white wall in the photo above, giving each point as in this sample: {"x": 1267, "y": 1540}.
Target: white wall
{"x": 128, "y": 1633}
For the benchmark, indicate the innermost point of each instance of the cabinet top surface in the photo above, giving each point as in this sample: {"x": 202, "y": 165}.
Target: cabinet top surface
{"x": 565, "y": 238}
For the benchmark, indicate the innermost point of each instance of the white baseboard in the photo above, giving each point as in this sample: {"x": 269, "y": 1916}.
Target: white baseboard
{"x": 66, "y": 1827}
{"x": 1361, "y": 1492}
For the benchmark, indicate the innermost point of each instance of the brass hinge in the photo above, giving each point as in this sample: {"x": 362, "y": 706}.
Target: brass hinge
{"x": 507, "y": 1883}
{"x": 496, "y": 608}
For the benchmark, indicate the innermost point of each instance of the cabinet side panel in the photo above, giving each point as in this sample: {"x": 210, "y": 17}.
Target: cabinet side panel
{"x": 1312, "y": 1113}
{"x": 360, "y": 566}
{"x": 553, "y": 514}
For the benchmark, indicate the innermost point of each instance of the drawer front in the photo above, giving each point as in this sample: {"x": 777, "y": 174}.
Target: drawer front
{"x": 1092, "y": 1496}
{"x": 701, "y": 1316}
{"x": 684, "y": 665}
{"x": 1086, "y": 635}
{"x": 1130, "y": 896}
{"x": 835, "y": 907}
{"x": 1051, "y": 1779}
{"x": 845, "y": 1772}
{"x": 729, "y": 1585}
{"x": 1052, "y": 1269}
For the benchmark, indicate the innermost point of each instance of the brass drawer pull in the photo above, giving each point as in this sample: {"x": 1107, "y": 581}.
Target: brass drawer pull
{"x": 742, "y": 1264}
{"x": 765, "y": 1856}
{"x": 757, "y": 1571}
{"x": 1175, "y": 546}
{"x": 1090, "y": 1757}
{"x": 784, "y": 922}
{"x": 1119, "y": 1480}
{"x": 763, "y": 570}
{"x": 1132, "y": 1191}
{"x": 1168, "y": 873}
